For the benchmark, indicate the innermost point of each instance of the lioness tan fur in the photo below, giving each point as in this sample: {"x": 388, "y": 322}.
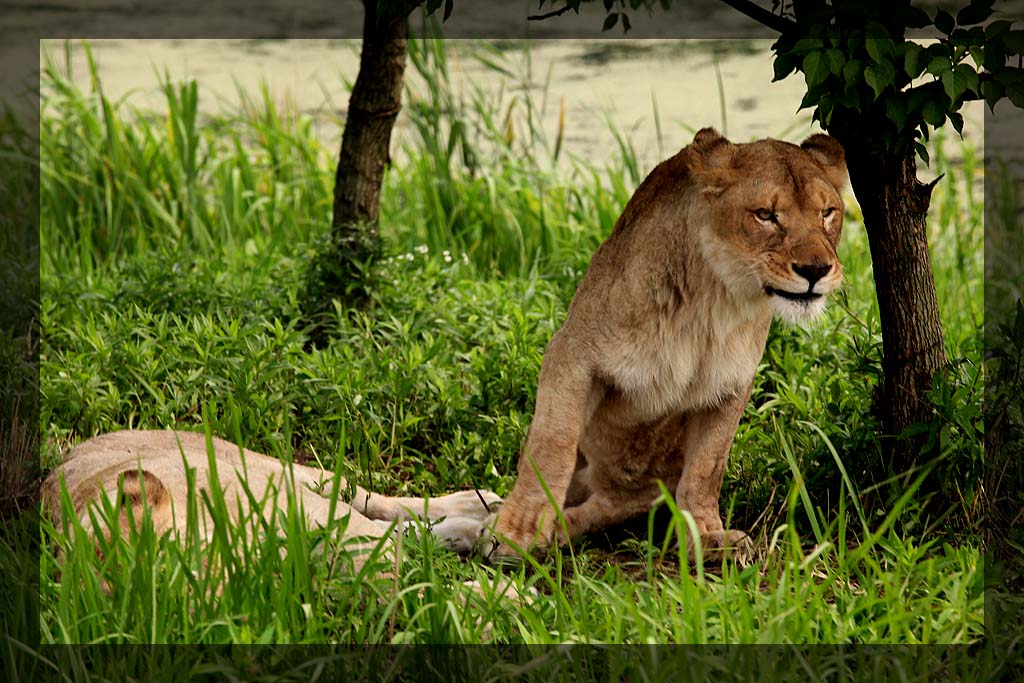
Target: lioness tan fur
{"x": 150, "y": 469}
{"x": 648, "y": 377}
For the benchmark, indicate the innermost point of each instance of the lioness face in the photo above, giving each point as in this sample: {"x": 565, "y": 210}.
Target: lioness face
{"x": 776, "y": 214}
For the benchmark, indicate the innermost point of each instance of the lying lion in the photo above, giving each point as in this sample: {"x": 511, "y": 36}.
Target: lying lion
{"x": 149, "y": 469}
{"x": 648, "y": 377}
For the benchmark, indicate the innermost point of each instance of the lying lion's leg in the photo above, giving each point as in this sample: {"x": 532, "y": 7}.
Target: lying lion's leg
{"x": 456, "y": 519}
{"x": 565, "y": 394}
{"x": 475, "y": 504}
{"x": 707, "y": 437}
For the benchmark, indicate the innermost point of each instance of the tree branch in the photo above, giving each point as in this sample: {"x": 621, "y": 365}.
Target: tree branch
{"x": 554, "y": 13}
{"x": 761, "y": 15}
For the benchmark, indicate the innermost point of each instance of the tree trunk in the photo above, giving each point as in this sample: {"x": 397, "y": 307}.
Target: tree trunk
{"x": 373, "y": 106}
{"x": 338, "y": 270}
{"x": 895, "y": 208}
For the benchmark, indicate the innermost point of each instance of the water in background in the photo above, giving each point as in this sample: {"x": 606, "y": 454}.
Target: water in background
{"x": 684, "y": 84}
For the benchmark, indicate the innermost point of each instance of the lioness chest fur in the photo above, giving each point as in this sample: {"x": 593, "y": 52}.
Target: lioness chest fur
{"x": 649, "y": 375}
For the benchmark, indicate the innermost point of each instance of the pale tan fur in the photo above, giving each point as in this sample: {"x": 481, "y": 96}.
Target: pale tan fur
{"x": 156, "y": 461}
{"x": 648, "y": 377}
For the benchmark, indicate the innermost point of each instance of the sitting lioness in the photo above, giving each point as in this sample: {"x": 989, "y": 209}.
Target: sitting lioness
{"x": 148, "y": 467}
{"x": 649, "y": 375}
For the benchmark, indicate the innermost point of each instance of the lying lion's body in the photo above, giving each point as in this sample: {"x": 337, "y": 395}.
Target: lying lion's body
{"x": 150, "y": 469}
{"x": 649, "y": 375}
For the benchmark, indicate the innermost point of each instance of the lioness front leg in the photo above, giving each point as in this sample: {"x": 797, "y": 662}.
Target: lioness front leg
{"x": 707, "y": 438}
{"x": 527, "y": 518}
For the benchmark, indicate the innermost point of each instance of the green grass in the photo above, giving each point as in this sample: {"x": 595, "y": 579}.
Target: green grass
{"x": 173, "y": 253}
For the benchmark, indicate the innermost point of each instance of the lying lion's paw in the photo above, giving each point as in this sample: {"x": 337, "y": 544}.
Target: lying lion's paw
{"x": 476, "y": 504}
{"x": 719, "y": 545}
{"x": 458, "y": 533}
{"x": 490, "y": 548}
{"x": 486, "y": 542}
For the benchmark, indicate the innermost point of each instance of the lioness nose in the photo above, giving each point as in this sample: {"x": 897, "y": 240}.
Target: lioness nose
{"x": 812, "y": 271}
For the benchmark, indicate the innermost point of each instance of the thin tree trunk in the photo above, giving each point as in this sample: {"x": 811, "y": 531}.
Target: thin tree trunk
{"x": 895, "y": 208}
{"x": 373, "y": 106}
{"x": 338, "y": 270}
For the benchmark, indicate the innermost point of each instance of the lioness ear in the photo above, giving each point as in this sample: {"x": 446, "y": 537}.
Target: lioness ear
{"x": 829, "y": 154}
{"x": 133, "y": 482}
{"x": 706, "y": 138}
{"x": 711, "y": 160}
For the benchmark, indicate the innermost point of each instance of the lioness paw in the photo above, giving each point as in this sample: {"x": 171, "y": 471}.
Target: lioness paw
{"x": 719, "y": 545}
{"x": 514, "y": 530}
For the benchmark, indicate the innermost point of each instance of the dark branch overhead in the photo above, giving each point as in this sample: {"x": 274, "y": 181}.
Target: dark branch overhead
{"x": 554, "y": 13}
{"x": 761, "y": 15}
{"x": 747, "y": 7}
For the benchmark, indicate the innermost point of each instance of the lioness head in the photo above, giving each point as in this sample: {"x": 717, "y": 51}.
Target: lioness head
{"x": 775, "y": 218}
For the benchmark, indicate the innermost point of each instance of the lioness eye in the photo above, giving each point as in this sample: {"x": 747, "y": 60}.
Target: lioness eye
{"x": 765, "y": 215}
{"x": 828, "y": 212}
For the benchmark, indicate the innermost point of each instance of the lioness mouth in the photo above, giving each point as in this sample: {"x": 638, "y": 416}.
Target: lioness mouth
{"x": 792, "y": 296}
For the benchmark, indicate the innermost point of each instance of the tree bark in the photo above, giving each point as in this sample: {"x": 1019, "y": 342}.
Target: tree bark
{"x": 373, "y": 106}
{"x": 338, "y": 270}
{"x": 895, "y": 207}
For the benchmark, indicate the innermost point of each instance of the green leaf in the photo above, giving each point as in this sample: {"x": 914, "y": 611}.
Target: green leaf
{"x": 970, "y": 74}
{"x": 954, "y": 83}
{"x": 912, "y": 60}
{"x": 945, "y": 22}
{"x": 879, "y": 76}
{"x": 896, "y": 110}
{"x": 957, "y": 122}
{"x": 610, "y": 21}
{"x": 1015, "y": 93}
{"x": 917, "y": 99}
{"x": 879, "y": 48}
{"x": 625, "y": 23}
{"x": 938, "y": 66}
{"x": 995, "y": 55}
{"x": 992, "y": 91}
{"x": 912, "y": 17}
{"x": 973, "y": 14}
{"x": 784, "y": 65}
{"x": 997, "y": 28}
{"x": 978, "y": 55}
{"x": 853, "y": 73}
{"x": 810, "y": 99}
{"x": 849, "y": 100}
{"x": 1008, "y": 75}
{"x": 933, "y": 113}
{"x": 922, "y": 151}
{"x": 805, "y": 45}
{"x": 836, "y": 60}
{"x": 448, "y": 6}
{"x": 825, "y": 106}
{"x": 1014, "y": 41}
{"x": 815, "y": 68}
